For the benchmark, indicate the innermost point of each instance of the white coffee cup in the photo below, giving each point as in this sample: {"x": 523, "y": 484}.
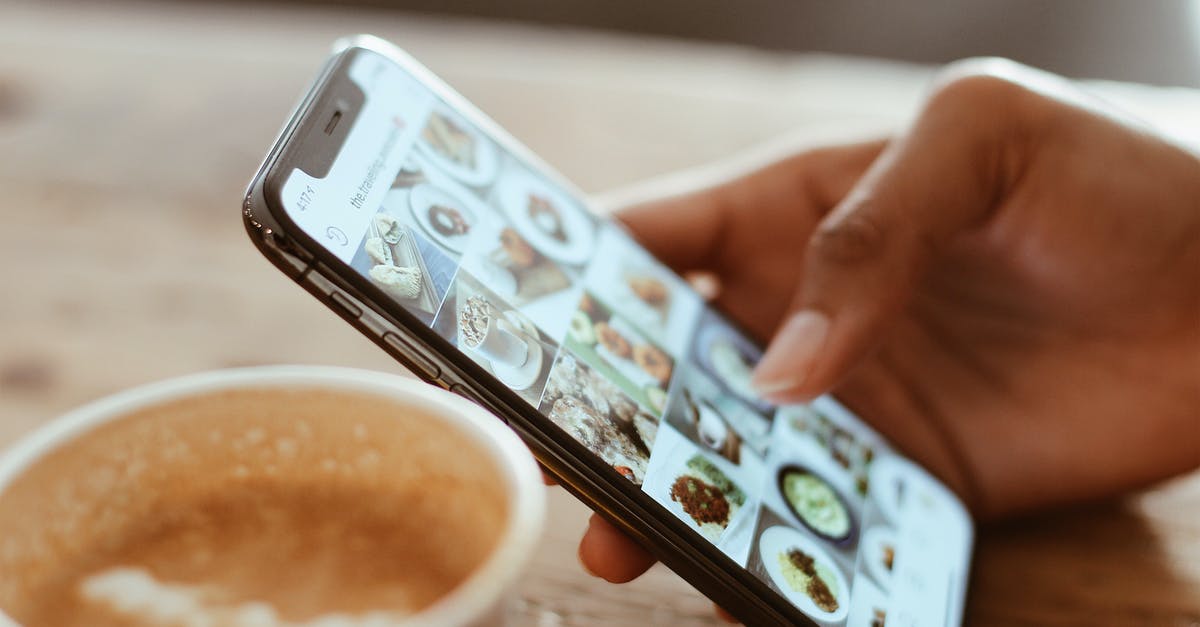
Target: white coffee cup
{"x": 501, "y": 342}
{"x": 479, "y": 599}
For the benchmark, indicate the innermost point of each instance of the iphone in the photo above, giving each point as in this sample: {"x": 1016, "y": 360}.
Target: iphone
{"x": 417, "y": 219}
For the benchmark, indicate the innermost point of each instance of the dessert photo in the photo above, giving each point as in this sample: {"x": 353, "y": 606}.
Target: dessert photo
{"x": 457, "y": 148}
{"x": 727, "y": 356}
{"x": 406, "y": 266}
{"x": 600, "y": 416}
{"x": 505, "y": 261}
{"x": 496, "y": 336}
{"x": 546, "y": 215}
{"x": 643, "y": 290}
{"x": 444, "y": 213}
{"x": 713, "y": 418}
{"x": 426, "y": 198}
{"x": 614, "y": 347}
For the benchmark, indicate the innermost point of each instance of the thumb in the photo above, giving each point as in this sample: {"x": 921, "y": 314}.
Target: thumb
{"x": 867, "y": 255}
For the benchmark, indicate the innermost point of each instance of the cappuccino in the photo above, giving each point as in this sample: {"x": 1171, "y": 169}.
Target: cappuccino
{"x": 270, "y": 506}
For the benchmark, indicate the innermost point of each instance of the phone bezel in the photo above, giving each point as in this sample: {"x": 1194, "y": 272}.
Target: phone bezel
{"x": 582, "y": 473}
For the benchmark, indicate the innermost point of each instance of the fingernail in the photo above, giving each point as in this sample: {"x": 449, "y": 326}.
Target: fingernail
{"x": 791, "y": 357}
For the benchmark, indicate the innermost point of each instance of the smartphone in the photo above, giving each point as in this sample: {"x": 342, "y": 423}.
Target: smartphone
{"x": 418, "y": 220}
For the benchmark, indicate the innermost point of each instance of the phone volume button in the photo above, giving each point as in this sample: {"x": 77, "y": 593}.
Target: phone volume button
{"x": 344, "y": 303}
{"x": 426, "y": 369}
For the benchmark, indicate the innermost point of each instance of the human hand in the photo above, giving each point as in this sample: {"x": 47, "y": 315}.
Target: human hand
{"x": 1010, "y": 291}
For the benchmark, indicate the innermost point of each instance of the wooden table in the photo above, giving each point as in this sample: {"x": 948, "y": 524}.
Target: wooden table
{"x": 127, "y": 132}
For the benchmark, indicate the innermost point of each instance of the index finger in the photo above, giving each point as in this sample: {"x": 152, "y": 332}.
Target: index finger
{"x": 687, "y": 220}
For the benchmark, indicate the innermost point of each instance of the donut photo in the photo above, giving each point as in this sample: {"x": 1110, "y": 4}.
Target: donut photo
{"x": 621, "y": 352}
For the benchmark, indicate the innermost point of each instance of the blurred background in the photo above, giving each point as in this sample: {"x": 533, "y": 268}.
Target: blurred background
{"x": 128, "y": 130}
{"x": 1154, "y": 42}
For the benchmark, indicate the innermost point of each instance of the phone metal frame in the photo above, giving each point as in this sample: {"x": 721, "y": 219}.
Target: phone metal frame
{"x": 436, "y": 361}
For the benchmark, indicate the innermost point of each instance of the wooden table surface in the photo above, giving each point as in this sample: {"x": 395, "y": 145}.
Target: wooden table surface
{"x": 127, "y": 132}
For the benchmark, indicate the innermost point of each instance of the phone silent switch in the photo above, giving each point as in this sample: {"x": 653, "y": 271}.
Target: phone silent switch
{"x": 343, "y": 302}
{"x": 424, "y": 368}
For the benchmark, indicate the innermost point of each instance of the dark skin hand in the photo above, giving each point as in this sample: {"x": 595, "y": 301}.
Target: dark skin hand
{"x": 1009, "y": 291}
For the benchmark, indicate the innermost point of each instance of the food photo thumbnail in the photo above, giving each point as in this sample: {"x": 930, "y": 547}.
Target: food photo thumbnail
{"x": 554, "y": 223}
{"x": 644, "y": 291}
{"x": 801, "y": 568}
{"x": 715, "y": 498}
{"x": 440, "y": 208}
{"x": 712, "y": 417}
{"x": 612, "y": 345}
{"x": 405, "y": 265}
{"x": 458, "y": 149}
{"x": 496, "y": 336}
{"x": 848, "y": 443}
{"x": 597, "y": 414}
{"x": 728, "y": 357}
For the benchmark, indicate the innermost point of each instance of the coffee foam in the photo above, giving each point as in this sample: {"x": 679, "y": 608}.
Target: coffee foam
{"x": 75, "y": 514}
{"x": 135, "y": 593}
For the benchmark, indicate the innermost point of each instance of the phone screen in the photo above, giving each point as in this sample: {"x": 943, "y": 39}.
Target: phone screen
{"x": 453, "y": 222}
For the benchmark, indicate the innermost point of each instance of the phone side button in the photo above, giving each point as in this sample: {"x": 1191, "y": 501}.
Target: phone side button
{"x": 427, "y": 369}
{"x": 344, "y": 303}
{"x": 466, "y": 393}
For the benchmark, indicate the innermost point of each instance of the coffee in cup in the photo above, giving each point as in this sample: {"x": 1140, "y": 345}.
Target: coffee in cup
{"x": 275, "y": 496}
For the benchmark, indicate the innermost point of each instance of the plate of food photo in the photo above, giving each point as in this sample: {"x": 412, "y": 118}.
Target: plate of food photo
{"x": 730, "y": 358}
{"x": 598, "y": 415}
{"x": 852, "y": 454}
{"x": 645, "y": 297}
{"x": 503, "y": 337}
{"x": 615, "y": 347}
{"x": 816, "y": 504}
{"x": 447, "y": 218}
{"x": 879, "y": 553}
{"x": 553, "y": 223}
{"x": 712, "y": 428}
{"x": 456, "y": 149}
{"x": 397, "y": 267}
{"x": 804, "y": 573}
{"x": 705, "y": 496}
{"x": 513, "y": 269}
{"x": 627, "y": 352}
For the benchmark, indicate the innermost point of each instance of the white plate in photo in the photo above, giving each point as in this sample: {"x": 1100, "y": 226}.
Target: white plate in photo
{"x": 711, "y": 531}
{"x": 499, "y": 279}
{"x": 780, "y": 540}
{"x": 521, "y": 377}
{"x": 876, "y": 545}
{"x": 731, "y": 359}
{"x": 548, "y": 219}
{"x": 457, "y": 149}
{"x": 442, "y": 214}
{"x": 648, "y": 316}
{"x": 889, "y": 487}
{"x": 627, "y": 367}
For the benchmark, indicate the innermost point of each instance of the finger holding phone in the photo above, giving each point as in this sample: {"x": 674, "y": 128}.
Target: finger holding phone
{"x": 1009, "y": 291}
